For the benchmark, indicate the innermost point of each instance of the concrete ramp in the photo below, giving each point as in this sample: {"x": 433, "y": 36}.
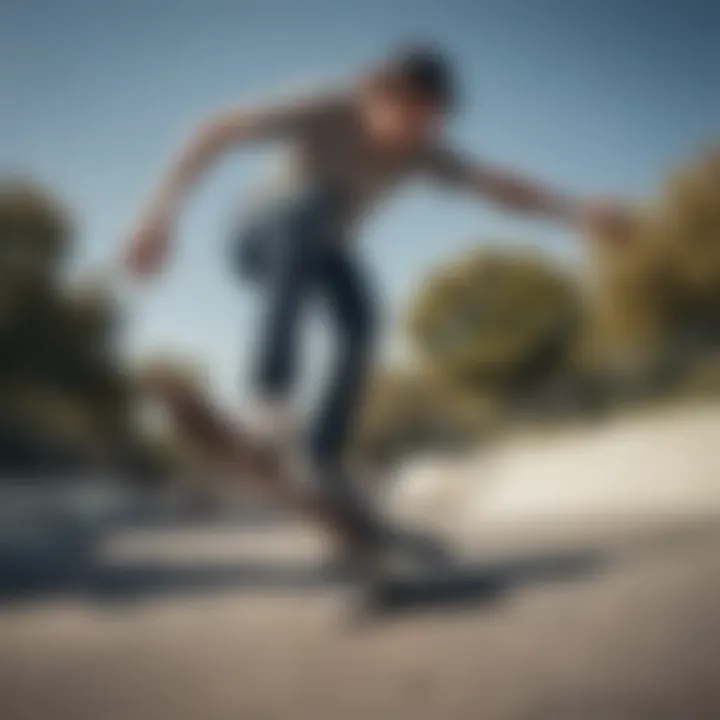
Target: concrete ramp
{"x": 648, "y": 468}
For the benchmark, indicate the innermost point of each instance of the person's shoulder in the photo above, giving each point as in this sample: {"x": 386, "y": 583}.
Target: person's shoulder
{"x": 434, "y": 153}
{"x": 315, "y": 98}
{"x": 301, "y": 113}
{"x": 439, "y": 149}
{"x": 442, "y": 161}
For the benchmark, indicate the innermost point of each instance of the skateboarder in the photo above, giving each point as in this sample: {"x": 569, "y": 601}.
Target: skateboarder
{"x": 346, "y": 149}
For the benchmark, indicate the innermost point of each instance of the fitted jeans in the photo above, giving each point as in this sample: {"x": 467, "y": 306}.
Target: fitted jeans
{"x": 292, "y": 248}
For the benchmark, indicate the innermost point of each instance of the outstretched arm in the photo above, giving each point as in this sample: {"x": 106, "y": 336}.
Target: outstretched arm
{"x": 519, "y": 194}
{"x": 514, "y": 192}
{"x": 213, "y": 139}
{"x": 150, "y": 243}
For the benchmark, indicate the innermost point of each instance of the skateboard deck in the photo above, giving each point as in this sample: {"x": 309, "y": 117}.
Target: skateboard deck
{"x": 260, "y": 466}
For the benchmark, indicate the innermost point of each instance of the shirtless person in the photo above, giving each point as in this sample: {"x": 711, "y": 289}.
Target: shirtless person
{"x": 346, "y": 150}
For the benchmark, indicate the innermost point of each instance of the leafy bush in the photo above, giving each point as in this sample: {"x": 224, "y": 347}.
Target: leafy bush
{"x": 495, "y": 319}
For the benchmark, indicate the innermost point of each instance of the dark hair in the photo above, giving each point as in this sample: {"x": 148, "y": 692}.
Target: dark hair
{"x": 424, "y": 70}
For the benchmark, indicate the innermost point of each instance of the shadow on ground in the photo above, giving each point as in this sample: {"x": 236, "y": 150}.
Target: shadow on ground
{"x": 476, "y": 584}
{"x": 74, "y": 569}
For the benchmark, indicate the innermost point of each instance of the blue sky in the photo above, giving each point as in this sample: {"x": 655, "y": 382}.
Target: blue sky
{"x": 597, "y": 96}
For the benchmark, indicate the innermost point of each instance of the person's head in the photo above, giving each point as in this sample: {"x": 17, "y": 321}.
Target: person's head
{"x": 405, "y": 101}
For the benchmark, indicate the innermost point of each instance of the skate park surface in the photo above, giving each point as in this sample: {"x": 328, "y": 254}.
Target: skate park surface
{"x": 588, "y": 588}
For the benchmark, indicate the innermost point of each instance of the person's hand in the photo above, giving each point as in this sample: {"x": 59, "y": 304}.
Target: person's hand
{"x": 148, "y": 247}
{"x": 608, "y": 221}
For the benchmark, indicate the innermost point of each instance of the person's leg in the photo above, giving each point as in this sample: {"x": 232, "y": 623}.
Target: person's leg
{"x": 348, "y": 299}
{"x": 288, "y": 275}
{"x": 352, "y": 313}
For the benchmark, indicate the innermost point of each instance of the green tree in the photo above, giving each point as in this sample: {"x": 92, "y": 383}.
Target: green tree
{"x": 496, "y": 321}
{"x": 656, "y": 296}
{"x": 61, "y": 386}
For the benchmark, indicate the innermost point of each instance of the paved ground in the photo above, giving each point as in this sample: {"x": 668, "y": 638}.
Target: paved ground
{"x": 217, "y": 624}
{"x": 591, "y": 592}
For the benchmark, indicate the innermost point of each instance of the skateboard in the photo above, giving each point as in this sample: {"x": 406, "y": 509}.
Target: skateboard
{"x": 371, "y": 550}
{"x": 227, "y": 442}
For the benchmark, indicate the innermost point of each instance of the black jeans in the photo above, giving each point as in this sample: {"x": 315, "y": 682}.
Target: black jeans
{"x": 293, "y": 249}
